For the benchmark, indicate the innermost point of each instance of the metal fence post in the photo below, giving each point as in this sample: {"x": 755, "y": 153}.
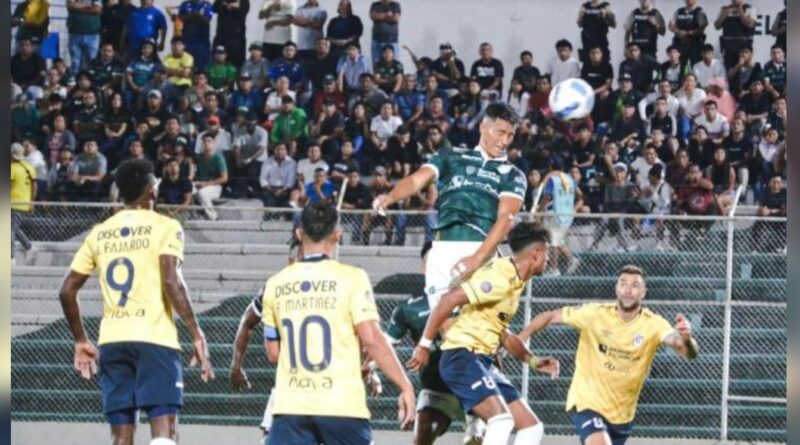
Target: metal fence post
{"x": 526, "y": 370}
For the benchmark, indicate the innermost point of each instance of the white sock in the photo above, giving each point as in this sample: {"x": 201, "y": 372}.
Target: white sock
{"x": 475, "y": 426}
{"x": 531, "y": 435}
{"x": 498, "y": 429}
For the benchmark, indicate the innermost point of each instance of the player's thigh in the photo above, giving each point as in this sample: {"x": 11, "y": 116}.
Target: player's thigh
{"x": 159, "y": 379}
{"x": 591, "y": 427}
{"x": 117, "y": 369}
{"x": 295, "y": 430}
{"x": 343, "y": 430}
{"x": 430, "y": 424}
{"x": 523, "y": 416}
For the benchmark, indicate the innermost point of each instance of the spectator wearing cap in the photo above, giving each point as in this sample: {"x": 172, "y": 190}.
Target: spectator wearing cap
{"x": 196, "y": 18}
{"x": 246, "y": 95}
{"x": 23, "y": 193}
{"x": 328, "y": 91}
{"x": 409, "y": 103}
{"x": 178, "y": 65}
{"x": 327, "y": 129}
{"x": 310, "y": 19}
{"x": 174, "y": 189}
{"x": 350, "y": 69}
{"x": 232, "y": 28}
{"x": 307, "y": 166}
{"x": 256, "y": 66}
{"x": 564, "y": 66}
{"x": 140, "y": 71}
{"x": 488, "y": 70}
{"x": 106, "y": 69}
{"x": 290, "y": 127}
{"x": 675, "y": 68}
{"x": 27, "y": 67}
{"x": 288, "y": 66}
{"x": 320, "y": 66}
{"x": 344, "y": 29}
{"x": 320, "y": 189}
{"x": 220, "y": 136}
{"x": 249, "y": 152}
{"x": 277, "y": 178}
{"x": 274, "y": 98}
{"x": 144, "y": 23}
{"x": 526, "y": 72}
{"x": 708, "y": 68}
{"x": 619, "y": 197}
{"x": 157, "y": 83}
{"x": 32, "y": 19}
{"x": 83, "y": 25}
{"x": 212, "y": 174}
{"x": 447, "y": 68}
{"x": 385, "y": 16}
{"x": 388, "y": 71}
{"x": 88, "y": 121}
{"x": 756, "y": 106}
{"x": 595, "y": 18}
{"x": 87, "y": 173}
{"x": 25, "y": 118}
{"x": 154, "y": 113}
{"x": 277, "y": 16}
{"x": 221, "y": 73}
{"x": 628, "y": 128}
{"x": 625, "y": 93}
{"x": 743, "y": 73}
{"x": 643, "y": 70}
{"x": 643, "y": 26}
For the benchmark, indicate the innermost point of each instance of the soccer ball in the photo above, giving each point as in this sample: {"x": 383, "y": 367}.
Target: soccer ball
{"x": 571, "y": 99}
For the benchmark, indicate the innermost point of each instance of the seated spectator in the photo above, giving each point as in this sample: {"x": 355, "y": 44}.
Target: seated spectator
{"x": 245, "y": 96}
{"x": 25, "y": 119}
{"x": 723, "y": 177}
{"x": 701, "y": 148}
{"x": 433, "y": 90}
{"x": 675, "y": 68}
{"x": 27, "y": 67}
{"x": 88, "y": 121}
{"x": 534, "y": 183}
{"x": 661, "y": 119}
{"x": 328, "y": 129}
{"x": 174, "y": 189}
{"x": 370, "y": 95}
{"x": 777, "y": 117}
{"x": 179, "y": 65}
{"x": 221, "y": 137}
{"x": 695, "y": 196}
{"x": 198, "y": 92}
{"x": 447, "y": 69}
{"x": 628, "y": 129}
{"x": 774, "y": 72}
{"x": 380, "y": 185}
{"x": 158, "y": 82}
{"x": 212, "y": 109}
{"x": 564, "y": 66}
{"x": 221, "y": 73}
{"x": 321, "y": 65}
{"x": 139, "y": 72}
{"x": 256, "y": 66}
{"x": 212, "y": 174}
{"x": 539, "y": 100}
{"x": 547, "y": 143}
{"x": 117, "y": 122}
{"x": 87, "y": 172}
{"x": 640, "y": 168}
{"x": 487, "y": 69}
{"x": 154, "y": 113}
{"x": 664, "y": 89}
{"x": 771, "y": 236}
{"x": 290, "y": 127}
{"x": 581, "y": 191}
{"x": 655, "y": 198}
{"x": 526, "y": 72}
{"x": 166, "y": 145}
{"x": 351, "y": 68}
{"x": 716, "y": 125}
{"x": 274, "y": 98}
{"x": 107, "y": 70}
{"x": 52, "y": 84}
{"x": 408, "y": 102}
{"x": 278, "y": 178}
{"x": 59, "y": 185}
{"x": 329, "y": 91}
{"x": 739, "y": 148}
{"x": 437, "y": 114}
{"x": 604, "y": 164}
{"x": 404, "y": 152}
{"x": 514, "y": 155}
{"x": 583, "y": 151}
{"x": 756, "y": 105}
{"x": 345, "y": 163}
{"x": 388, "y": 71}
{"x": 356, "y": 128}
{"x": 642, "y": 69}
{"x": 306, "y": 167}
{"x": 356, "y": 195}
{"x": 708, "y": 68}
{"x": 619, "y": 198}
{"x": 517, "y": 97}
{"x": 435, "y": 141}
{"x": 717, "y": 90}
{"x": 691, "y": 100}
{"x": 319, "y": 189}
{"x": 249, "y": 153}
{"x": 768, "y": 149}
{"x": 36, "y": 160}
{"x": 625, "y": 93}
{"x": 58, "y": 139}
{"x": 743, "y": 73}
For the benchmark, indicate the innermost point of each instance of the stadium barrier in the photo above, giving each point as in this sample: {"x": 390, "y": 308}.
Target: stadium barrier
{"x": 726, "y": 274}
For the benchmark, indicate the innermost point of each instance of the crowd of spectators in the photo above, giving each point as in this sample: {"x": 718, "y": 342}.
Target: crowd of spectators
{"x": 675, "y": 128}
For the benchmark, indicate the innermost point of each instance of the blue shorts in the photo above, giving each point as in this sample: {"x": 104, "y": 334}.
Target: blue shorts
{"x": 138, "y": 375}
{"x": 588, "y": 422}
{"x": 474, "y": 377}
{"x": 315, "y": 430}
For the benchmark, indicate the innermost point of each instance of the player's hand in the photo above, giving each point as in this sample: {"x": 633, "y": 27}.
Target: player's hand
{"x": 549, "y": 365}
{"x": 85, "y": 361}
{"x": 406, "y": 409}
{"x": 465, "y": 267}
{"x": 419, "y": 359}
{"x": 374, "y": 384}
{"x": 380, "y": 203}
{"x": 239, "y": 380}
{"x": 202, "y": 357}
{"x": 683, "y": 326}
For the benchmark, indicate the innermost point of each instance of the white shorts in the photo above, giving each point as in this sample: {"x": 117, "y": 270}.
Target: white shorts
{"x": 266, "y": 422}
{"x": 443, "y": 402}
{"x": 442, "y": 257}
{"x": 558, "y": 233}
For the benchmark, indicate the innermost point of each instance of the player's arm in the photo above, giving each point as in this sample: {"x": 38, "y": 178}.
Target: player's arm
{"x": 518, "y": 348}
{"x": 174, "y": 287}
{"x": 540, "y": 322}
{"x": 249, "y": 320}
{"x": 406, "y": 188}
{"x": 507, "y": 209}
{"x": 682, "y": 339}
{"x": 452, "y": 299}
{"x": 85, "y": 357}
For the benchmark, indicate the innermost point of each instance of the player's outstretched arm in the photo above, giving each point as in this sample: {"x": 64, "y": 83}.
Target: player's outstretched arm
{"x": 518, "y": 348}
{"x": 682, "y": 339}
{"x": 249, "y": 320}
{"x": 377, "y": 347}
{"x": 85, "y": 356}
{"x": 538, "y": 323}
{"x": 407, "y": 187}
{"x": 175, "y": 289}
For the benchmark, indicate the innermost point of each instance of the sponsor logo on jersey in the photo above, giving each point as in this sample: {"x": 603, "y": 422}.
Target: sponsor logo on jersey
{"x": 124, "y": 232}
{"x": 486, "y": 287}
{"x": 638, "y": 339}
{"x": 296, "y": 287}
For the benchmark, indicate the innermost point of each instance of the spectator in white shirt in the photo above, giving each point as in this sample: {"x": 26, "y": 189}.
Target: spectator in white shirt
{"x": 309, "y": 19}
{"x": 690, "y": 97}
{"x": 278, "y": 178}
{"x": 277, "y": 16}
{"x": 716, "y": 124}
{"x": 643, "y": 164}
{"x": 708, "y": 68}
{"x": 518, "y": 98}
{"x": 664, "y": 89}
{"x": 35, "y": 158}
{"x": 383, "y": 126}
{"x": 306, "y": 167}
{"x": 222, "y": 139}
{"x": 274, "y": 97}
{"x": 564, "y": 66}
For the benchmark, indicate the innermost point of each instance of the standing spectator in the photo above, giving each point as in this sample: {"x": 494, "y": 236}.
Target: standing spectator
{"x": 288, "y": 66}
{"x": 36, "y": 159}
{"x": 487, "y": 69}
{"x": 689, "y": 25}
{"x": 643, "y": 70}
{"x": 385, "y": 15}
{"x": 145, "y": 23}
{"x": 594, "y": 19}
{"x": 558, "y": 200}
{"x": 618, "y": 198}
{"x": 107, "y": 71}
{"x": 320, "y": 189}
{"x": 306, "y": 167}
{"x": 310, "y": 19}
{"x": 58, "y": 183}
{"x": 140, "y": 72}
{"x": 320, "y": 66}
{"x": 196, "y": 18}
{"x": 674, "y": 69}
{"x": 779, "y": 28}
{"x": 344, "y": 29}
{"x": 179, "y": 65}
{"x": 249, "y": 152}
{"x": 388, "y": 71}
{"x": 379, "y": 185}
{"x": 27, "y": 67}
{"x": 708, "y": 67}
{"x": 771, "y": 236}
{"x": 599, "y": 74}
{"x": 221, "y": 73}
{"x": 174, "y": 189}
{"x": 715, "y": 124}
{"x": 83, "y": 24}
{"x": 256, "y": 66}
{"x": 32, "y": 20}
{"x": 23, "y": 193}
{"x": 113, "y": 19}
{"x": 278, "y": 178}
{"x": 737, "y": 22}
{"x": 212, "y": 174}
{"x": 350, "y": 69}
{"x": 290, "y": 127}
{"x": 743, "y": 73}
{"x": 775, "y": 72}
{"x": 87, "y": 173}
{"x": 643, "y": 26}
{"x": 564, "y": 66}
{"x": 526, "y": 72}
{"x": 232, "y": 28}
{"x": 277, "y": 16}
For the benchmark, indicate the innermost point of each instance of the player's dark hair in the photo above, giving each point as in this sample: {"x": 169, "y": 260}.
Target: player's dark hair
{"x": 502, "y": 111}
{"x": 526, "y": 233}
{"x": 630, "y": 269}
{"x": 132, "y": 179}
{"x": 319, "y": 220}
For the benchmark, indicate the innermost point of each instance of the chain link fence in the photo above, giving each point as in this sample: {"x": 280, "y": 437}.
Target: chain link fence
{"x": 732, "y": 288}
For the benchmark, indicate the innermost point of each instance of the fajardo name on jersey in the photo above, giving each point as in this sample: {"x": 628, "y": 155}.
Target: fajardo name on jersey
{"x": 125, "y": 239}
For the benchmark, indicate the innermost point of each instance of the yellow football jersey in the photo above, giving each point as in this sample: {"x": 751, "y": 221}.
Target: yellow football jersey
{"x": 313, "y": 307}
{"x": 493, "y": 292}
{"x": 23, "y": 176}
{"x": 124, "y": 250}
{"x": 613, "y": 358}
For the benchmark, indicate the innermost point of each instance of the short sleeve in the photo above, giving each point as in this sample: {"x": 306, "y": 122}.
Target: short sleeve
{"x": 221, "y": 165}
{"x": 397, "y": 324}
{"x": 268, "y": 314}
{"x": 208, "y": 11}
{"x": 173, "y": 240}
{"x": 362, "y": 300}
{"x": 162, "y": 21}
{"x": 578, "y": 317}
{"x": 85, "y": 261}
{"x": 515, "y": 184}
{"x": 486, "y": 285}
{"x": 437, "y": 163}
{"x": 662, "y": 329}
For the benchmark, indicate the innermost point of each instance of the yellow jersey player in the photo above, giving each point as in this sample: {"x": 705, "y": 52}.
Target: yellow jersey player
{"x": 318, "y": 314}
{"x": 617, "y": 344}
{"x": 138, "y": 254}
{"x": 489, "y": 300}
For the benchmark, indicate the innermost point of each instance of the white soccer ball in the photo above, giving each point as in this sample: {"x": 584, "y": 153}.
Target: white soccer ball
{"x": 572, "y": 99}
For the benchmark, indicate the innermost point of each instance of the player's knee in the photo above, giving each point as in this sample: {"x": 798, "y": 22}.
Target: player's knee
{"x": 531, "y": 435}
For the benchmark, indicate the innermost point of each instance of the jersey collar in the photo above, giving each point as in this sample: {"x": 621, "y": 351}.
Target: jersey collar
{"x": 314, "y": 258}
{"x": 486, "y": 156}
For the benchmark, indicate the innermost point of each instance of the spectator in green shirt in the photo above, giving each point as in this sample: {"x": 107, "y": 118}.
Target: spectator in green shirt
{"x": 290, "y": 127}
{"x": 221, "y": 73}
{"x": 212, "y": 174}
